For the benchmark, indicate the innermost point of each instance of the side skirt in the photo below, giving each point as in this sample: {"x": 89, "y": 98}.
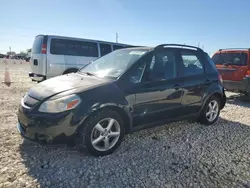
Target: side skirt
{"x": 163, "y": 122}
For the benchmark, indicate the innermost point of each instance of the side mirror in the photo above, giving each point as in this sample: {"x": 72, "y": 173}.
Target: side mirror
{"x": 134, "y": 79}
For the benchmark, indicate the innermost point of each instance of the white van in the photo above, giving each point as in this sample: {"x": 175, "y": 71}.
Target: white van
{"x": 56, "y": 55}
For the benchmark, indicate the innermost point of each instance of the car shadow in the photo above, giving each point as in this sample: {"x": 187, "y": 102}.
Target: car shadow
{"x": 178, "y": 151}
{"x": 239, "y": 100}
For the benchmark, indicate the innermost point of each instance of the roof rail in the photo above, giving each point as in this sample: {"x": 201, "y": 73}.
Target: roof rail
{"x": 179, "y": 45}
{"x": 235, "y": 49}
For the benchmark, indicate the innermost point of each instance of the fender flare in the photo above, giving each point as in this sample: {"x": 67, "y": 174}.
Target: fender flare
{"x": 124, "y": 111}
{"x": 216, "y": 92}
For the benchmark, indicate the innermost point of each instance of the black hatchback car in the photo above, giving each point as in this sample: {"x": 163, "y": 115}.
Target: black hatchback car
{"x": 123, "y": 91}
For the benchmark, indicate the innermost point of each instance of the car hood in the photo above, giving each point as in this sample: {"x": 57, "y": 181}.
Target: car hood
{"x": 59, "y": 84}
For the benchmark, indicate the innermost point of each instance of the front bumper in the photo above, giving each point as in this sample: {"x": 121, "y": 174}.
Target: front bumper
{"x": 37, "y": 77}
{"x": 243, "y": 85}
{"x": 46, "y": 128}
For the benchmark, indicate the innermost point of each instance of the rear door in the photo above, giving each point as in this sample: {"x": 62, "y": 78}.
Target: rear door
{"x": 193, "y": 78}
{"x": 232, "y": 65}
{"x": 39, "y": 55}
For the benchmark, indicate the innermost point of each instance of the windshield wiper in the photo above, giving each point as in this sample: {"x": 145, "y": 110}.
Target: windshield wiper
{"x": 89, "y": 74}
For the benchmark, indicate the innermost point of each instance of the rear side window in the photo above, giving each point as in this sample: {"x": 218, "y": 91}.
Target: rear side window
{"x": 191, "y": 64}
{"x": 105, "y": 49}
{"x": 73, "y": 48}
{"x": 37, "y": 45}
{"x": 230, "y": 58}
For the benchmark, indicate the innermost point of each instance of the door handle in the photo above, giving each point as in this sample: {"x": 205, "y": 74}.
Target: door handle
{"x": 208, "y": 81}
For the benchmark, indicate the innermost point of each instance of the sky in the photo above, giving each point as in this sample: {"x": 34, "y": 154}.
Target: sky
{"x": 212, "y": 24}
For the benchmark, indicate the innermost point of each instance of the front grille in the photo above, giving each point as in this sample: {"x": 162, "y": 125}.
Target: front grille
{"x": 29, "y": 101}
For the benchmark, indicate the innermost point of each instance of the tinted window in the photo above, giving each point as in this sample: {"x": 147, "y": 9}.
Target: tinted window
{"x": 191, "y": 64}
{"x": 105, "y": 49}
{"x": 136, "y": 72}
{"x": 117, "y": 47}
{"x": 212, "y": 67}
{"x": 162, "y": 66}
{"x": 37, "y": 45}
{"x": 73, "y": 48}
{"x": 230, "y": 58}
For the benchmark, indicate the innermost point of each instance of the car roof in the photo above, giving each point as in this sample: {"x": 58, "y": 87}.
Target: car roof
{"x": 232, "y": 50}
{"x": 163, "y": 46}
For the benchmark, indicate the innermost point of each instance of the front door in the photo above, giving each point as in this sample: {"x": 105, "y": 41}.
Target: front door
{"x": 158, "y": 96}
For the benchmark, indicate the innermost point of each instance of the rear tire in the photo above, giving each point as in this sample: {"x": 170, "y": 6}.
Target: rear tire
{"x": 211, "y": 111}
{"x": 102, "y": 133}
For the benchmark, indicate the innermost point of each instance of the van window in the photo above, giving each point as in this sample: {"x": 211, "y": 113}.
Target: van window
{"x": 73, "y": 48}
{"x": 105, "y": 49}
{"x": 230, "y": 58}
{"x": 117, "y": 47}
{"x": 37, "y": 45}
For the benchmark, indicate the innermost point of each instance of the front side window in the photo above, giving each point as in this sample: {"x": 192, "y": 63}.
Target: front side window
{"x": 191, "y": 64}
{"x": 136, "y": 73}
{"x": 162, "y": 66}
{"x": 113, "y": 64}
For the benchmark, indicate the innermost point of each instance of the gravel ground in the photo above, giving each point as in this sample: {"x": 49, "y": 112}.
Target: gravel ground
{"x": 181, "y": 154}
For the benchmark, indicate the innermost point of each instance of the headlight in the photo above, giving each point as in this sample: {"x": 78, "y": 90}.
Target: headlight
{"x": 60, "y": 104}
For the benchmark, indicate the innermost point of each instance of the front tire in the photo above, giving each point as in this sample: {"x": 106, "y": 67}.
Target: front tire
{"x": 211, "y": 111}
{"x": 102, "y": 133}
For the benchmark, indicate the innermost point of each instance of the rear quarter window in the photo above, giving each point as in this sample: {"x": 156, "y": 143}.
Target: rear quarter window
{"x": 37, "y": 45}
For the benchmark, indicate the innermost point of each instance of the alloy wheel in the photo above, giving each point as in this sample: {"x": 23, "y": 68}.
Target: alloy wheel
{"x": 212, "y": 110}
{"x": 105, "y": 134}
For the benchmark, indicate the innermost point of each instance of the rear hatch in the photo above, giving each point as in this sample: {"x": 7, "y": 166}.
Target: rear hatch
{"x": 38, "y": 57}
{"x": 232, "y": 65}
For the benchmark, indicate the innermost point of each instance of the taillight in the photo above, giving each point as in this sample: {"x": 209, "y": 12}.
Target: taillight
{"x": 220, "y": 78}
{"x": 44, "y": 49}
{"x": 248, "y": 73}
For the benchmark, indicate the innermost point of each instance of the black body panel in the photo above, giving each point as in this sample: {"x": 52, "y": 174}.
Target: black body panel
{"x": 142, "y": 103}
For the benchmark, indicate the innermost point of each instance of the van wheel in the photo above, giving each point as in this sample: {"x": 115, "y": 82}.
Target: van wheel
{"x": 102, "y": 133}
{"x": 211, "y": 111}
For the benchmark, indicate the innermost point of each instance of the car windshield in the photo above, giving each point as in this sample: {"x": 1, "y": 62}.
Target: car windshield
{"x": 230, "y": 59}
{"x": 113, "y": 64}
